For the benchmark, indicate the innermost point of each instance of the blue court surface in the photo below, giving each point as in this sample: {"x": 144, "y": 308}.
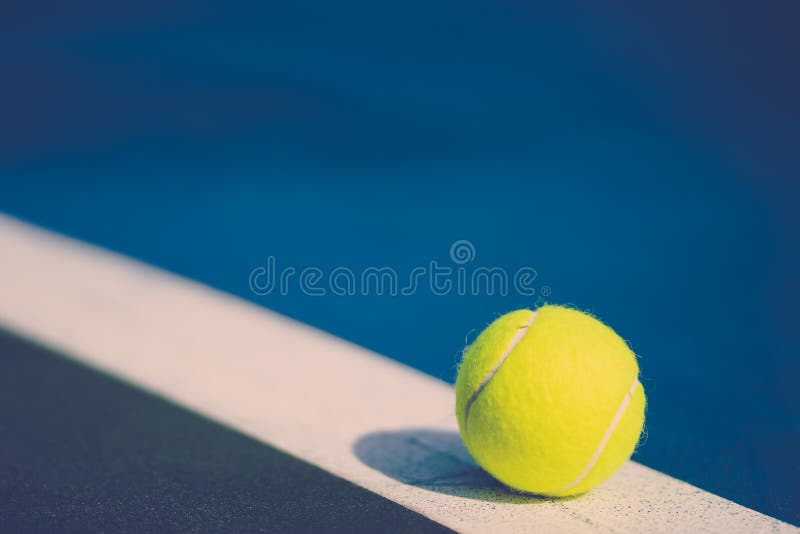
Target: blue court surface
{"x": 640, "y": 163}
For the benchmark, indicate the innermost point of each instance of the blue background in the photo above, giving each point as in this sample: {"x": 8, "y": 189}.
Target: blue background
{"x": 644, "y": 160}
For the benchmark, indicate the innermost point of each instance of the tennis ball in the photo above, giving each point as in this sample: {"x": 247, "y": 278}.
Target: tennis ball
{"x": 549, "y": 401}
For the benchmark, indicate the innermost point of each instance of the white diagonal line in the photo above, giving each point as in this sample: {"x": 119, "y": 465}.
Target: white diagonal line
{"x": 317, "y": 397}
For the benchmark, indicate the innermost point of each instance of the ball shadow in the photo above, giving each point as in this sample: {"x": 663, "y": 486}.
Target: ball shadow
{"x": 435, "y": 460}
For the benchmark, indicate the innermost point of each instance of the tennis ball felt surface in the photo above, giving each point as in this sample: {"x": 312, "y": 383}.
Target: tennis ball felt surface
{"x": 549, "y": 401}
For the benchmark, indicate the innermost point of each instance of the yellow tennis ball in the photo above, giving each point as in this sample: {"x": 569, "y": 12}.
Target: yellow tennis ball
{"x": 549, "y": 401}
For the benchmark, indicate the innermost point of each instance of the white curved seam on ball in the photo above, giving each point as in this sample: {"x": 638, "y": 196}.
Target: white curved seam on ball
{"x": 606, "y": 437}
{"x": 521, "y": 331}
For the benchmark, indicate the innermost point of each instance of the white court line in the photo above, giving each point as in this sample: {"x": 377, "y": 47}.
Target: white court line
{"x": 363, "y": 417}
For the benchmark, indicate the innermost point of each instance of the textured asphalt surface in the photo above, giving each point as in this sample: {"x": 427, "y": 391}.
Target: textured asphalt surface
{"x": 83, "y": 452}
